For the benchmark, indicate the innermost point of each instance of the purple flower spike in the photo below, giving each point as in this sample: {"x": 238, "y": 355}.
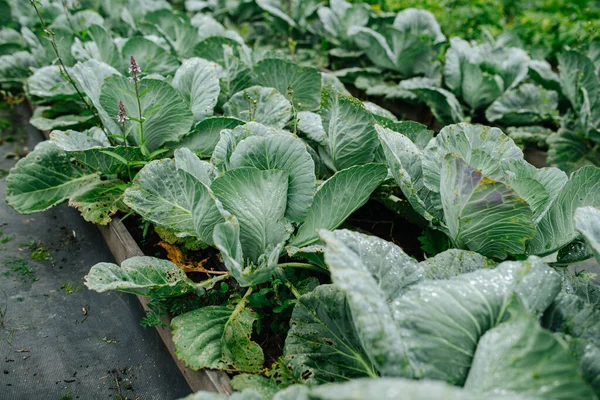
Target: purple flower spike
{"x": 122, "y": 114}
{"x": 134, "y": 68}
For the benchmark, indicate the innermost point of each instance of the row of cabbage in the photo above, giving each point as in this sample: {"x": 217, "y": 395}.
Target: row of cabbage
{"x": 218, "y": 145}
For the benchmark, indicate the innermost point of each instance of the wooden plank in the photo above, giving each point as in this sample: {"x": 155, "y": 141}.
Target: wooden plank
{"x": 123, "y": 246}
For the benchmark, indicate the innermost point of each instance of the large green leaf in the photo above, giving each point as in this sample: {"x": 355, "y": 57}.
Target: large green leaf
{"x": 174, "y": 199}
{"x": 286, "y": 153}
{"x": 151, "y": 58}
{"x": 373, "y": 320}
{"x": 227, "y": 239}
{"x": 482, "y": 214}
{"x": 322, "y": 345}
{"x": 90, "y": 76}
{"x": 519, "y": 356}
{"x": 443, "y": 104}
{"x": 198, "y": 83}
{"x": 14, "y": 68}
{"x": 175, "y": 28}
{"x": 405, "y": 161}
{"x": 570, "y": 151}
{"x": 454, "y": 262}
{"x": 231, "y": 137}
{"x": 49, "y": 84}
{"x": 587, "y": 222}
{"x": 526, "y": 105}
{"x": 258, "y": 199}
{"x": 578, "y": 79}
{"x": 45, "y": 178}
{"x": 393, "y": 270}
{"x": 557, "y": 228}
{"x": 302, "y": 85}
{"x": 482, "y": 147}
{"x": 212, "y": 49}
{"x": 431, "y": 330}
{"x": 47, "y": 123}
{"x": 351, "y": 136}
{"x": 206, "y": 134}
{"x": 260, "y": 104}
{"x": 106, "y": 49}
{"x": 217, "y": 337}
{"x": 165, "y": 115}
{"x": 189, "y": 162}
{"x": 100, "y": 202}
{"x": 145, "y": 276}
{"x": 337, "y": 199}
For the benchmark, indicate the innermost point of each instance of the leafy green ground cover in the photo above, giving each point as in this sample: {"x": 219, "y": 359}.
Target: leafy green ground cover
{"x": 230, "y": 128}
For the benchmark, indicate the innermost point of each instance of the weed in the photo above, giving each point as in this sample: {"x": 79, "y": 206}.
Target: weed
{"x": 19, "y": 266}
{"x": 40, "y": 254}
{"x": 71, "y": 288}
{"x": 7, "y": 239}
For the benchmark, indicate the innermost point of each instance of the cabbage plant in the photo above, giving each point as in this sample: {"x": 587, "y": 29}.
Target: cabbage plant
{"x": 472, "y": 183}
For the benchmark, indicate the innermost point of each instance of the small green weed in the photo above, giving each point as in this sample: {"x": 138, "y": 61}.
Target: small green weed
{"x": 7, "y": 239}
{"x": 71, "y": 288}
{"x": 19, "y": 266}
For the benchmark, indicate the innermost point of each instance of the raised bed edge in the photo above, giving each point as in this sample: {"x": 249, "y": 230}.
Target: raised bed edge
{"x": 123, "y": 246}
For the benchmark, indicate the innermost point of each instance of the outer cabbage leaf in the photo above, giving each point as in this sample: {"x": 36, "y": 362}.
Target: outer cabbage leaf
{"x": 151, "y": 58}
{"x": 258, "y": 199}
{"x": 264, "y": 105}
{"x": 175, "y": 200}
{"x": 301, "y": 85}
{"x": 482, "y": 214}
{"x": 337, "y": 199}
{"x": 217, "y": 337}
{"x": 286, "y": 153}
{"x": 44, "y": 178}
{"x": 526, "y": 105}
{"x": 206, "y": 134}
{"x": 587, "y": 222}
{"x": 144, "y": 276}
{"x": 166, "y": 116}
{"x": 351, "y": 136}
{"x": 519, "y": 356}
{"x": 198, "y": 83}
{"x": 557, "y": 228}
{"x": 322, "y": 345}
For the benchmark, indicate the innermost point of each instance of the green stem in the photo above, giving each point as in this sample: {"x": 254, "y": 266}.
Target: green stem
{"x": 281, "y": 275}
{"x": 140, "y": 119}
{"x": 303, "y": 266}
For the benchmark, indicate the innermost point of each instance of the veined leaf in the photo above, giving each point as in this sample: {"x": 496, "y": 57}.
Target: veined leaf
{"x": 258, "y": 199}
{"x": 286, "y": 153}
{"x": 519, "y": 356}
{"x": 198, "y": 83}
{"x": 260, "y": 104}
{"x": 206, "y": 134}
{"x": 217, "y": 337}
{"x": 152, "y": 58}
{"x": 175, "y": 200}
{"x": 337, "y": 199}
{"x": 91, "y": 75}
{"x": 557, "y": 228}
{"x": 577, "y": 73}
{"x": 587, "y": 222}
{"x": 166, "y": 116}
{"x": 48, "y": 84}
{"x": 482, "y": 214}
{"x": 100, "y": 202}
{"x": 302, "y": 85}
{"x": 350, "y": 130}
{"x": 189, "y": 162}
{"x": 526, "y": 105}
{"x": 145, "y": 276}
{"x": 44, "y": 178}
{"x": 231, "y": 137}
{"x": 322, "y": 345}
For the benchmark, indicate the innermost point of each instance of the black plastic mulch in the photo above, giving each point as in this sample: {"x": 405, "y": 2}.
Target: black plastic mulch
{"x": 58, "y": 340}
